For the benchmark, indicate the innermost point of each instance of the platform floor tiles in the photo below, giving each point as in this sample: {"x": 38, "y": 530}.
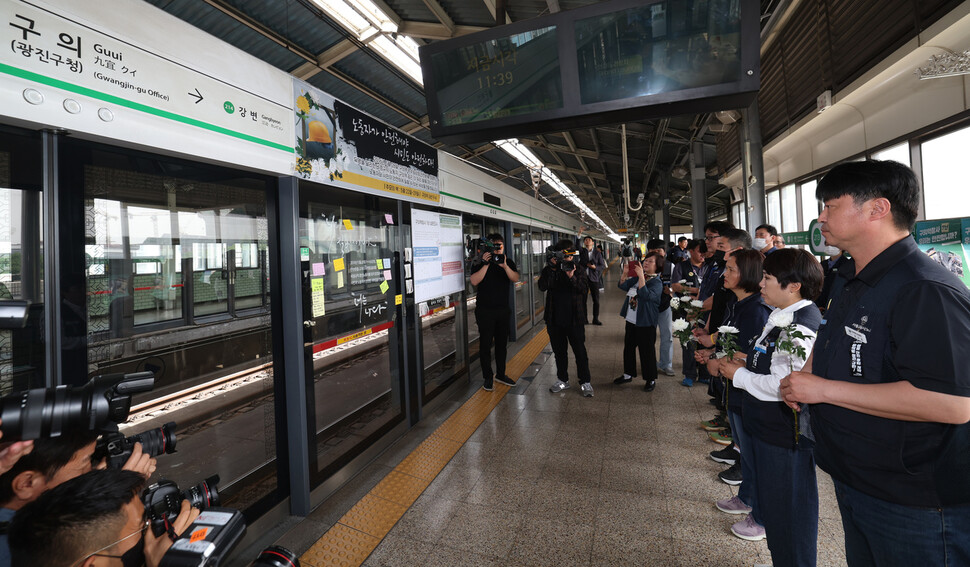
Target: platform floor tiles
{"x": 523, "y": 477}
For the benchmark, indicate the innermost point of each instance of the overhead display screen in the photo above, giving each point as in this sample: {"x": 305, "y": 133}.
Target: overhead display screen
{"x": 499, "y": 78}
{"x": 612, "y": 62}
{"x": 658, "y": 48}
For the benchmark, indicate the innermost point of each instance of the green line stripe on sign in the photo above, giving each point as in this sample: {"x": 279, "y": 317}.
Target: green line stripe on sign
{"x": 57, "y": 83}
{"x": 503, "y": 210}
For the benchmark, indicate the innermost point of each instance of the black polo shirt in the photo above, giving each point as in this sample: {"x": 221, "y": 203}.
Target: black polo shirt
{"x": 903, "y": 317}
{"x": 495, "y": 287}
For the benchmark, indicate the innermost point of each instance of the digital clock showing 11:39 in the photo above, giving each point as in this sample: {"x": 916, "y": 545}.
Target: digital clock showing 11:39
{"x": 501, "y": 77}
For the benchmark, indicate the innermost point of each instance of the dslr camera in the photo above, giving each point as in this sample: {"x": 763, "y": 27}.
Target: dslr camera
{"x": 163, "y": 501}
{"x": 115, "y": 448}
{"x": 99, "y": 405}
{"x": 563, "y": 261}
{"x": 212, "y": 536}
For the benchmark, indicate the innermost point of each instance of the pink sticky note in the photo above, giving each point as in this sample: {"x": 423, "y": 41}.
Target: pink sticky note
{"x": 319, "y": 269}
{"x": 387, "y": 275}
{"x": 389, "y": 218}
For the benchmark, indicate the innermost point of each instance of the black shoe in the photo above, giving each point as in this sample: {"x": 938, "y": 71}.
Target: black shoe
{"x": 488, "y": 385}
{"x": 504, "y": 379}
{"x": 649, "y": 386}
{"x": 597, "y": 322}
{"x": 727, "y": 455}
{"x": 623, "y": 380}
{"x": 732, "y": 475}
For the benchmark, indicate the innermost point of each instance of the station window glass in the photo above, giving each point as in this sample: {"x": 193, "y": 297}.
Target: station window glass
{"x": 151, "y": 281}
{"x": 899, "y": 152}
{"x": 773, "y": 212}
{"x": 789, "y": 210}
{"x": 739, "y": 216}
{"x": 944, "y": 181}
{"x": 809, "y": 203}
{"x": 472, "y": 228}
{"x": 22, "y": 352}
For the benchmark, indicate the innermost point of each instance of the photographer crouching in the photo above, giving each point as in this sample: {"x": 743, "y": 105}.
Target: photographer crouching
{"x": 94, "y": 520}
{"x": 565, "y": 314}
{"x": 493, "y": 273}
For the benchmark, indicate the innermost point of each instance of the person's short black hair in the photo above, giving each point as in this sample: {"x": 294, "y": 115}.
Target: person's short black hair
{"x": 865, "y": 180}
{"x": 750, "y": 269}
{"x": 681, "y": 239}
{"x": 72, "y": 519}
{"x": 720, "y": 227}
{"x": 658, "y": 260}
{"x": 702, "y": 247}
{"x": 771, "y": 230}
{"x": 738, "y": 238}
{"x": 796, "y": 266}
{"x": 691, "y": 244}
{"x": 655, "y": 243}
{"x": 587, "y": 236}
{"x": 564, "y": 244}
{"x": 496, "y": 237}
{"x": 49, "y": 455}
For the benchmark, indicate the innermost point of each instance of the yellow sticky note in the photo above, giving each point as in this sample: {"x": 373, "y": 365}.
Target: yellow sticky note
{"x": 380, "y": 264}
{"x": 338, "y": 264}
{"x": 316, "y": 284}
{"x": 348, "y": 225}
{"x": 384, "y": 287}
{"x": 398, "y": 299}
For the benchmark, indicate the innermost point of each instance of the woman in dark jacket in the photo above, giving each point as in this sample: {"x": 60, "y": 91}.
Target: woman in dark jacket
{"x": 747, "y": 316}
{"x": 641, "y": 310}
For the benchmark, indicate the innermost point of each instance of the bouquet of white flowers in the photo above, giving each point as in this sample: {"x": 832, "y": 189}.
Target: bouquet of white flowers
{"x": 784, "y": 321}
{"x": 726, "y": 340}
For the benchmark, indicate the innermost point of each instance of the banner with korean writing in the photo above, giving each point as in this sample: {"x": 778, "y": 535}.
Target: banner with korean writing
{"x": 340, "y": 145}
{"x": 946, "y": 241}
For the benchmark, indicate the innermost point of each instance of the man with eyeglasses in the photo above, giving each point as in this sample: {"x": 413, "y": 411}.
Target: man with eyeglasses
{"x": 94, "y": 520}
{"x": 493, "y": 274}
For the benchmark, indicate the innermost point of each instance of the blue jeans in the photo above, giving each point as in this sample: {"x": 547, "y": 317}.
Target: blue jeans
{"x": 665, "y": 324}
{"x": 788, "y": 497}
{"x": 748, "y": 491}
{"x": 881, "y": 533}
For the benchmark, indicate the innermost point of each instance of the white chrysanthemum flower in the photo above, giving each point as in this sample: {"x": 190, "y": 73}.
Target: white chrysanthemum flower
{"x": 675, "y": 303}
{"x": 697, "y": 303}
{"x": 728, "y": 329}
{"x": 780, "y": 319}
{"x": 680, "y": 324}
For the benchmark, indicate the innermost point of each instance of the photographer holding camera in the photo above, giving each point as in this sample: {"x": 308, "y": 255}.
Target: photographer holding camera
{"x": 493, "y": 273}
{"x": 94, "y": 520}
{"x": 565, "y": 313}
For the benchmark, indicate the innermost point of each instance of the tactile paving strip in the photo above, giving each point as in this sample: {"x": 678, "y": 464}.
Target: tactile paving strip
{"x": 355, "y": 536}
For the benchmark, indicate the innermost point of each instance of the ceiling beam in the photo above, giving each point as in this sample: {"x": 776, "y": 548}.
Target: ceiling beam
{"x": 325, "y": 59}
{"x": 440, "y": 14}
{"x": 432, "y": 30}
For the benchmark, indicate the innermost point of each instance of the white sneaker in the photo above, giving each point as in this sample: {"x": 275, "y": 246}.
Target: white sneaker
{"x": 587, "y": 390}
{"x": 559, "y": 387}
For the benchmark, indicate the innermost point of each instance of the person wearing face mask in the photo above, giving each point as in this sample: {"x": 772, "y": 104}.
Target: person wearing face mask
{"x": 764, "y": 239}
{"x": 94, "y": 520}
{"x": 640, "y": 310}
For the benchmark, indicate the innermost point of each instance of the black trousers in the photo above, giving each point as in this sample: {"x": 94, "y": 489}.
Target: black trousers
{"x": 493, "y": 325}
{"x": 690, "y": 365}
{"x": 574, "y": 336}
{"x": 594, "y": 292}
{"x": 642, "y": 339}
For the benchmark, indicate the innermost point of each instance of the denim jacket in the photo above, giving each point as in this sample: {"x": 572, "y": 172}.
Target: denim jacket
{"x": 648, "y": 300}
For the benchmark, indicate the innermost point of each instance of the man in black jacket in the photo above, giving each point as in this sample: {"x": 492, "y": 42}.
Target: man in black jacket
{"x": 566, "y": 288}
{"x": 493, "y": 273}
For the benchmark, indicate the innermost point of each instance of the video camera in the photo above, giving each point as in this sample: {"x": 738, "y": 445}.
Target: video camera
{"x": 116, "y": 448}
{"x": 483, "y": 245}
{"x": 103, "y": 402}
{"x": 212, "y": 536}
{"x": 163, "y": 501}
{"x": 564, "y": 259}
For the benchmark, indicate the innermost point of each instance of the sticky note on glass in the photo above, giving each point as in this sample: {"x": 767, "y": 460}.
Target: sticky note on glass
{"x": 387, "y": 275}
{"x": 380, "y": 264}
{"x": 384, "y": 287}
{"x": 398, "y": 299}
{"x": 338, "y": 264}
{"x": 348, "y": 225}
{"x": 316, "y": 284}
{"x": 387, "y": 263}
{"x": 389, "y": 219}
{"x": 319, "y": 269}
{"x": 340, "y": 280}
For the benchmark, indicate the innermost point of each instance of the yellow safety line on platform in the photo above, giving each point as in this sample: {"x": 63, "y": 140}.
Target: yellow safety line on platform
{"x": 352, "y": 539}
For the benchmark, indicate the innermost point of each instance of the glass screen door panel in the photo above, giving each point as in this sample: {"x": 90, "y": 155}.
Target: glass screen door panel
{"x": 523, "y": 291}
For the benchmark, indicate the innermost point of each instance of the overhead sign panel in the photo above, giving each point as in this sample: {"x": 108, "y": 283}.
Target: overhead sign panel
{"x": 611, "y": 62}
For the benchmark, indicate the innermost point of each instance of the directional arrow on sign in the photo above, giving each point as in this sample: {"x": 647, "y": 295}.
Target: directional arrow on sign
{"x": 197, "y": 94}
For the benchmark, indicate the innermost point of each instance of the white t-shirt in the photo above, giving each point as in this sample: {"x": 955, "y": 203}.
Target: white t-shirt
{"x": 631, "y": 312}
